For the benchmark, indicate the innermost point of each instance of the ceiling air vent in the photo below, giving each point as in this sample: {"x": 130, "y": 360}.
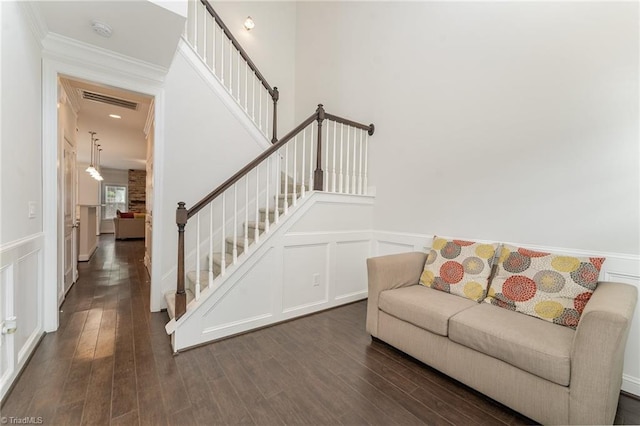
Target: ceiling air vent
{"x": 110, "y": 100}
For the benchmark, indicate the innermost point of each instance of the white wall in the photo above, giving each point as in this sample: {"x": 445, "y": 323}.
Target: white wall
{"x": 20, "y": 174}
{"x": 504, "y": 120}
{"x": 205, "y": 145}
{"x": 21, "y": 238}
{"x": 88, "y": 187}
{"x": 270, "y": 45}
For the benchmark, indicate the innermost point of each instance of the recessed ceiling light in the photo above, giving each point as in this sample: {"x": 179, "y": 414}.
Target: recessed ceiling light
{"x": 114, "y": 116}
{"x": 101, "y": 28}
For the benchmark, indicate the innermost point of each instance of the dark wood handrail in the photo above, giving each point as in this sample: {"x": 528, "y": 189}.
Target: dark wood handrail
{"x": 272, "y": 91}
{"x": 246, "y": 169}
{"x": 370, "y": 128}
{"x": 183, "y": 215}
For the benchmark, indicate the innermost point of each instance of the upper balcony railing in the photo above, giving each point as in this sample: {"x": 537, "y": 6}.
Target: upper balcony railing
{"x": 220, "y": 51}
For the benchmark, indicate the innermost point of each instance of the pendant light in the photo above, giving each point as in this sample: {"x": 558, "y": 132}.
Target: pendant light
{"x": 95, "y": 149}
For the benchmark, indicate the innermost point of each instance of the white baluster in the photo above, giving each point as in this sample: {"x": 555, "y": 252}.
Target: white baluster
{"x": 195, "y": 27}
{"x": 246, "y": 86}
{"x": 286, "y": 177}
{"x": 198, "y": 256}
{"x": 238, "y": 79}
{"x": 295, "y": 171}
{"x": 276, "y": 212}
{"x": 222, "y": 36}
{"x": 210, "y": 268}
{"x": 266, "y": 120}
{"x": 333, "y": 169}
{"x": 340, "y": 178}
{"x": 346, "y": 181}
{"x": 224, "y": 242}
{"x": 231, "y": 49}
{"x": 326, "y": 156}
{"x": 360, "y": 167}
{"x": 235, "y": 223}
{"x": 253, "y": 98}
{"x": 213, "y": 44}
{"x": 311, "y": 159}
{"x": 353, "y": 169}
{"x": 304, "y": 160}
{"x": 266, "y": 196}
{"x": 204, "y": 39}
{"x": 188, "y": 22}
{"x": 246, "y": 213}
{"x": 257, "y": 233}
{"x": 260, "y": 108}
{"x": 365, "y": 188}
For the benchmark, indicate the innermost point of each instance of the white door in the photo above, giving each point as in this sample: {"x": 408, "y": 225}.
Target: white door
{"x": 70, "y": 226}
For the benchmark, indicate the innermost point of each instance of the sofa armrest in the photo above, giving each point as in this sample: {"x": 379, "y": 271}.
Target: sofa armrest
{"x": 597, "y": 355}
{"x": 387, "y": 272}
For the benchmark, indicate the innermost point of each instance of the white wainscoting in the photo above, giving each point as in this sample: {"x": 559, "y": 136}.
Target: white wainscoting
{"x": 305, "y": 265}
{"x": 618, "y": 267}
{"x": 21, "y": 292}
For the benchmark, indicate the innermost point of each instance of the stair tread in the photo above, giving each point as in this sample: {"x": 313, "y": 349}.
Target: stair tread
{"x": 240, "y": 242}
{"x": 260, "y": 225}
{"x": 170, "y": 298}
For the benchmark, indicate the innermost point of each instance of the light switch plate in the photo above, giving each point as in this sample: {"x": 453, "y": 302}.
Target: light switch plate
{"x": 32, "y": 209}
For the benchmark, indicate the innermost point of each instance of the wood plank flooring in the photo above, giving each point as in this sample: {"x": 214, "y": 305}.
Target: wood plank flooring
{"x": 110, "y": 363}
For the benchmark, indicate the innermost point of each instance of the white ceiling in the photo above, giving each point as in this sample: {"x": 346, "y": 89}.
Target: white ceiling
{"x": 141, "y": 29}
{"x": 123, "y": 140}
{"x": 144, "y": 30}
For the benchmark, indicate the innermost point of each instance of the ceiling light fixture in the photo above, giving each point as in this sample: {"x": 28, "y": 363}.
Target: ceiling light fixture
{"x": 249, "y": 24}
{"x": 102, "y": 29}
{"x": 114, "y": 116}
{"x": 93, "y": 171}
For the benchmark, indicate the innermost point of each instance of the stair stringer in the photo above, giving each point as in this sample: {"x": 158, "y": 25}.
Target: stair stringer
{"x": 253, "y": 293}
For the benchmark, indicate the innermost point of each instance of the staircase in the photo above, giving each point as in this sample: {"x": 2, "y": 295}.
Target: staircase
{"x": 222, "y": 231}
{"x": 250, "y": 229}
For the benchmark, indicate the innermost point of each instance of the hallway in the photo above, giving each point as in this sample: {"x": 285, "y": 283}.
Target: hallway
{"x": 110, "y": 363}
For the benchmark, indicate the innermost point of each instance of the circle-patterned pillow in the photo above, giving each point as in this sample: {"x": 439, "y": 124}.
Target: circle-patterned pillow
{"x": 459, "y": 267}
{"x": 549, "y": 286}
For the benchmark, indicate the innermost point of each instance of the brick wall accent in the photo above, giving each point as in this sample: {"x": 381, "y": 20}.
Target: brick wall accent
{"x": 137, "y": 190}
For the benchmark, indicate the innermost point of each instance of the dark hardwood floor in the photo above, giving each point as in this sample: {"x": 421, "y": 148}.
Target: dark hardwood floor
{"x": 110, "y": 362}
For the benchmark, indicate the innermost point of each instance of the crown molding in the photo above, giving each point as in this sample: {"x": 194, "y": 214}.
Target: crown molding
{"x": 58, "y": 47}
{"x": 150, "y": 117}
{"x": 37, "y": 24}
{"x": 72, "y": 95}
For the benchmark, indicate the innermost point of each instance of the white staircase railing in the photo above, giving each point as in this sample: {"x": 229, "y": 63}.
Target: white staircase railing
{"x": 222, "y": 54}
{"x": 234, "y": 217}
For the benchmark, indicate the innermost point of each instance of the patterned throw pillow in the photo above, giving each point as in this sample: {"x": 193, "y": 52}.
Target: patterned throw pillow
{"x": 548, "y": 286}
{"x": 459, "y": 267}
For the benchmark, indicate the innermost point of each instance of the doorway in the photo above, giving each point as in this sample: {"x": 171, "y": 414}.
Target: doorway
{"x": 105, "y": 142}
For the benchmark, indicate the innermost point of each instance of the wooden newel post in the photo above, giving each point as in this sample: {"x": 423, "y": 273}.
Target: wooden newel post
{"x": 181, "y": 297}
{"x": 318, "y": 178}
{"x": 275, "y": 96}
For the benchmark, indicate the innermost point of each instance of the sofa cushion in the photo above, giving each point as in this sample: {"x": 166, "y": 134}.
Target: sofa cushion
{"x": 423, "y": 307}
{"x": 459, "y": 267}
{"x": 548, "y": 286}
{"x": 535, "y": 346}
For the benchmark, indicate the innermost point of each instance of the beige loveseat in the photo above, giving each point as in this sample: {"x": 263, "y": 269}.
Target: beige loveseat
{"x": 129, "y": 227}
{"x": 550, "y": 373}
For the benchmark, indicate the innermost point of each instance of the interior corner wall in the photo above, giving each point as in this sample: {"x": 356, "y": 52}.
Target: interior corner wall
{"x": 20, "y": 149}
{"x": 506, "y": 121}
{"x": 270, "y": 45}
